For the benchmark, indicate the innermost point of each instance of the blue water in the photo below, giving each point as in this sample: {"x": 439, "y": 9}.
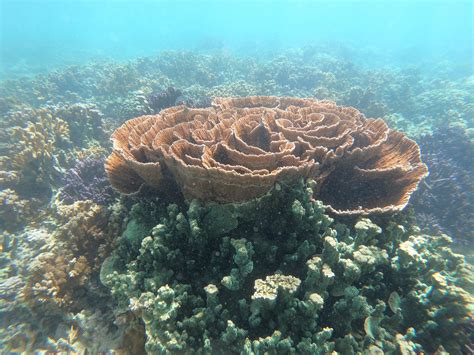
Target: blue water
{"x": 44, "y": 34}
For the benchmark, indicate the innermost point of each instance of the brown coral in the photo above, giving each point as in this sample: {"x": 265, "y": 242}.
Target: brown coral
{"x": 66, "y": 275}
{"x": 32, "y": 156}
{"x": 238, "y": 148}
{"x": 15, "y": 210}
{"x": 87, "y": 230}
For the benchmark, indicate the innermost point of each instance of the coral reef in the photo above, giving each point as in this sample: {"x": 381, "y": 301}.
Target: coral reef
{"x": 87, "y": 181}
{"x": 135, "y": 104}
{"x": 449, "y": 154}
{"x": 63, "y": 276}
{"x": 273, "y": 275}
{"x": 164, "y": 99}
{"x": 421, "y": 97}
{"x": 201, "y": 101}
{"x": 84, "y": 122}
{"x": 297, "y": 282}
{"x": 51, "y": 282}
{"x": 239, "y": 148}
{"x": 15, "y": 210}
{"x": 37, "y": 146}
{"x": 35, "y": 153}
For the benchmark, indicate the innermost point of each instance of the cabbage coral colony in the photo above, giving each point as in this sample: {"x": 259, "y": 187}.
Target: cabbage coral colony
{"x": 237, "y": 149}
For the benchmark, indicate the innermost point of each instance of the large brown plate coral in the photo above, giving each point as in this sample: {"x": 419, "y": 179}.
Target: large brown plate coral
{"x": 238, "y": 148}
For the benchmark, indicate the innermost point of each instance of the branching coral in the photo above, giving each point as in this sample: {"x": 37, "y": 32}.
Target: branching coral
{"x": 37, "y": 145}
{"x": 164, "y": 99}
{"x": 32, "y": 157}
{"x": 237, "y": 149}
{"x": 87, "y": 230}
{"x": 84, "y": 122}
{"x": 14, "y": 210}
{"x": 60, "y": 281}
{"x": 190, "y": 274}
{"x": 445, "y": 201}
{"x": 301, "y": 282}
{"x": 24, "y": 323}
{"x": 87, "y": 181}
{"x": 35, "y": 153}
{"x": 56, "y": 279}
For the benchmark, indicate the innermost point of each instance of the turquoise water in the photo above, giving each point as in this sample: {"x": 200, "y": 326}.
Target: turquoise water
{"x": 236, "y": 177}
{"x": 43, "y": 34}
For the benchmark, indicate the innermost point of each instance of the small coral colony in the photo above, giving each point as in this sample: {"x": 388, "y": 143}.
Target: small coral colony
{"x": 191, "y": 203}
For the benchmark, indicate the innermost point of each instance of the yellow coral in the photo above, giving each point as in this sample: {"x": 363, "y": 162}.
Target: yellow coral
{"x": 86, "y": 230}
{"x": 15, "y": 211}
{"x": 43, "y": 139}
{"x": 56, "y": 278}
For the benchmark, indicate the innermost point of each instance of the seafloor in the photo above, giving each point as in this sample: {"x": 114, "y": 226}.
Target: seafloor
{"x": 83, "y": 268}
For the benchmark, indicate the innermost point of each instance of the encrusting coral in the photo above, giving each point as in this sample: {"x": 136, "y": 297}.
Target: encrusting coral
{"x": 238, "y": 148}
{"x": 299, "y": 282}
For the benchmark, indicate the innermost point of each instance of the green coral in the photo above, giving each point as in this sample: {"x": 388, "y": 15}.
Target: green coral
{"x": 243, "y": 260}
{"x": 277, "y": 275}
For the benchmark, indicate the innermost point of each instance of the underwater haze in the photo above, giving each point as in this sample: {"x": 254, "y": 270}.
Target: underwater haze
{"x": 236, "y": 177}
{"x": 42, "y": 34}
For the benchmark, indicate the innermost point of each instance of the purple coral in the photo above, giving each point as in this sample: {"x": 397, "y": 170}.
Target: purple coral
{"x": 87, "y": 181}
{"x": 164, "y": 99}
{"x": 445, "y": 200}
